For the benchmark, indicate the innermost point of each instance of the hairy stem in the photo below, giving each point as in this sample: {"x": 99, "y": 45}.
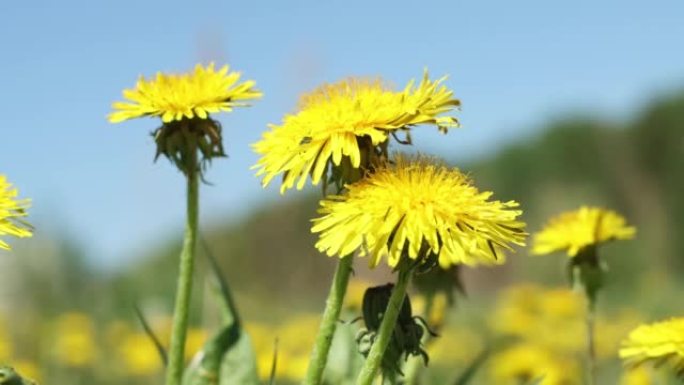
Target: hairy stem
{"x": 384, "y": 335}
{"x": 331, "y": 315}
{"x": 174, "y": 371}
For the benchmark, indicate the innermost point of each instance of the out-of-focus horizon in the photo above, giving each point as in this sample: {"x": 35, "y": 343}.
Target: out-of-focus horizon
{"x": 515, "y": 66}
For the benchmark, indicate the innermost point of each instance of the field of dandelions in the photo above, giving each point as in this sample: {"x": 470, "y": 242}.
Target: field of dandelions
{"x": 555, "y": 262}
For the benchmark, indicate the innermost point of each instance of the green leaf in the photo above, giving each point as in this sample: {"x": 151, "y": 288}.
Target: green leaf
{"x": 238, "y": 366}
{"x": 227, "y": 358}
{"x": 150, "y": 333}
{"x": 274, "y": 364}
{"x": 205, "y": 366}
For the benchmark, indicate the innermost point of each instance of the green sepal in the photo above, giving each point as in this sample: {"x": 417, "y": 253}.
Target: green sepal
{"x": 178, "y": 140}
{"x": 586, "y": 272}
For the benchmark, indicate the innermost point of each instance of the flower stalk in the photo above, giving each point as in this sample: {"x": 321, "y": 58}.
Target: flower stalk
{"x": 174, "y": 372}
{"x": 190, "y": 138}
{"x": 587, "y": 277}
{"x": 384, "y": 335}
{"x": 331, "y": 315}
{"x": 591, "y": 348}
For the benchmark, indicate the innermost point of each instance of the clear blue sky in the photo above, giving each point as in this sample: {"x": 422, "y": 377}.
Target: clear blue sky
{"x": 514, "y": 64}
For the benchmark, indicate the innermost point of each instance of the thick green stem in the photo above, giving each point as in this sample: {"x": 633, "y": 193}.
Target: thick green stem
{"x": 591, "y": 348}
{"x": 331, "y": 315}
{"x": 384, "y": 334}
{"x": 174, "y": 371}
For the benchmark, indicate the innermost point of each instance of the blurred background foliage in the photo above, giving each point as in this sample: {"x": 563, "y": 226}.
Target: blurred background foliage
{"x": 63, "y": 321}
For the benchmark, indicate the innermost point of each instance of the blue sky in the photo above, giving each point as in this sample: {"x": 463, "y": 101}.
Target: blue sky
{"x": 515, "y": 65}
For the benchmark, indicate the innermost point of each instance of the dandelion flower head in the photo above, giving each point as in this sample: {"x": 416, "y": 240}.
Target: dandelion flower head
{"x": 535, "y": 314}
{"x": 12, "y": 213}
{"x": 75, "y": 344}
{"x": 348, "y": 122}
{"x": 417, "y": 208}
{"x": 527, "y": 363}
{"x": 572, "y": 231}
{"x": 175, "y": 97}
{"x": 660, "y": 342}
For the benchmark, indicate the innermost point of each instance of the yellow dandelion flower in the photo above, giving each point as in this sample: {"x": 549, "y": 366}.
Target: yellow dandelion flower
{"x": 294, "y": 346}
{"x": 12, "y": 212}
{"x": 6, "y": 347}
{"x": 263, "y": 339}
{"x": 185, "y": 96}
{"x": 75, "y": 344}
{"x": 184, "y": 102}
{"x": 433, "y": 309}
{"x": 194, "y": 342}
{"x": 139, "y": 354}
{"x": 353, "y": 299}
{"x": 420, "y": 208}
{"x": 348, "y": 122}
{"x": 637, "y": 376}
{"x": 442, "y": 352}
{"x": 527, "y": 363}
{"x": 574, "y": 230}
{"x": 658, "y": 343}
{"x": 536, "y": 314}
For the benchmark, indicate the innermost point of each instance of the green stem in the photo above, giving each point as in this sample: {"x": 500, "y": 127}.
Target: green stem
{"x": 331, "y": 315}
{"x": 389, "y": 320}
{"x": 174, "y": 371}
{"x": 591, "y": 348}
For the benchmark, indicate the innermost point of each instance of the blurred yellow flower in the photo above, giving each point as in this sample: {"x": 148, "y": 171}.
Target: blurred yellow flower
{"x": 263, "y": 339}
{"x": 139, "y": 355}
{"x": 436, "y": 314}
{"x": 294, "y": 346}
{"x": 12, "y": 212}
{"x": 418, "y": 206}
{"x": 660, "y": 342}
{"x": 194, "y": 341}
{"x": 295, "y": 340}
{"x": 28, "y": 370}
{"x": 536, "y": 314}
{"x": 353, "y": 299}
{"x": 524, "y": 364}
{"x": 347, "y": 122}
{"x": 443, "y": 352}
{"x": 6, "y": 348}
{"x": 75, "y": 344}
{"x": 574, "y": 230}
{"x": 637, "y": 376}
{"x": 185, "y": 96}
